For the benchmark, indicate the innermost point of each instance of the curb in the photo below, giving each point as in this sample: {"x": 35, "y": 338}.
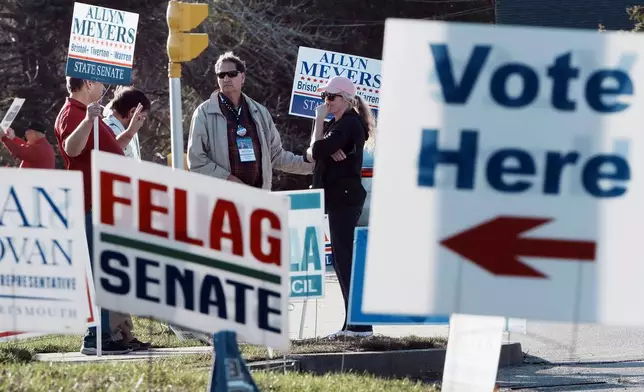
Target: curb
{"x": 405, "y": 363}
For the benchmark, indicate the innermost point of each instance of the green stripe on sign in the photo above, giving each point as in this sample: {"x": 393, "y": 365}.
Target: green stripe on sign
{"x": 305, "y": 201}
{"x": 189, "y": 257}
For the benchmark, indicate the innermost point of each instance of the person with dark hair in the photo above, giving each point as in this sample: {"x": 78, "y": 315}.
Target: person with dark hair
{"x": 125, "y": 114}
{"x": 36, "y": 153}
{"x": 234, "y": 138}
{"x": 337, "y": 148}
{"x": 74, "y": 132}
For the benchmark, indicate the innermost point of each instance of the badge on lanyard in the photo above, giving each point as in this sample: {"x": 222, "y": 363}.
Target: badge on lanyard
{"x": 246, "y": 150}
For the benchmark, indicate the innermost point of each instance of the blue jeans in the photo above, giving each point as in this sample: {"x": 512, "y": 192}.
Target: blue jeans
{"x": 105, "y": 314}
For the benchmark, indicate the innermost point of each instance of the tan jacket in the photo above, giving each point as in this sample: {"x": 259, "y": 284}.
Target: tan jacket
{"x": 208, "y": 143}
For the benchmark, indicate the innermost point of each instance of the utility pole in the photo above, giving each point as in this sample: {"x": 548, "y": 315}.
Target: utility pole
{"x": 182, "y": 47}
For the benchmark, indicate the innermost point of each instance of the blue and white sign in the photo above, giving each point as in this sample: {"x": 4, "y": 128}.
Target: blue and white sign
{"x": 328, "y": 250}
{"x": 191, "y": 250}
{"x": 306, "y": 239}
{"x": 356, "y": 316}
{"x": 101, "y": 44}
{"x": 315, "y": 67}
{"x": 519, "y": 168}
{"x": 43, "y": 252}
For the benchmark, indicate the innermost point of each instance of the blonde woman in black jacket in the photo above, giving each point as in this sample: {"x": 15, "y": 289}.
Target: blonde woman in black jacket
{"x": 336, "y": 148}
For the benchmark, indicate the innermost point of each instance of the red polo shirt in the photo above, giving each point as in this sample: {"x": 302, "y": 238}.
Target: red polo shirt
{"x": 70, "y": 116}
{"x": 38, "y": 155}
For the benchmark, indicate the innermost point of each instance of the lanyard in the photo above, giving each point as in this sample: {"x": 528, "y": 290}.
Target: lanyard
{"x": 236, "y": 113}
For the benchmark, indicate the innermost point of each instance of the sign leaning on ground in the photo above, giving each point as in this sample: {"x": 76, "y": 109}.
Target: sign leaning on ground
{"x": 101, "y": 44}
{"x": 42, "y": 254}
{"x": 195, "y": 251}
{"x": 306, "y": 240}
{"x": 513, "y": 167}
{"x": 315, "y": 67}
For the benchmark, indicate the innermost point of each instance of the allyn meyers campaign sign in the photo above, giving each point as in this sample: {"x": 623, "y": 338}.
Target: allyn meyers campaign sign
{"x": 306, "y": 238}
{"x": 101, "y": 44}
{"x": 315, "y": 67}
{"x": 43, "y": 252}
{"x": 198, "y": 252}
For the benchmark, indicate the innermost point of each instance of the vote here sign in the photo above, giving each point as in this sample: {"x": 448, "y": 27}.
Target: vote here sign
{"x": 101, "y": 44}
{"x": 517, "y": 153}
{"x": 306, "y": 238}
{"x": 195, "y": 251}
{"x": 43, "y": 252}
{"x": 315, "y": 67}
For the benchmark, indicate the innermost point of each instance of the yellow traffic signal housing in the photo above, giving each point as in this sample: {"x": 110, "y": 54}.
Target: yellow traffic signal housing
{"x": 183, "y": 17}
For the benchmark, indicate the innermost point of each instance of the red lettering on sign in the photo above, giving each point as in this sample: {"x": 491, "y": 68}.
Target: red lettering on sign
{"x": 274, "y": 255}
{"x": 223, "y": 209}
{"x": 108, "y": 199}
{"x": 146, "y": 207}
{"x": 181, "y": 218}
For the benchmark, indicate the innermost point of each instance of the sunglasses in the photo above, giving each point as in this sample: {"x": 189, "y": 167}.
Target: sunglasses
{"x": 330, "y": 97}
{"x": 230, "y": 74}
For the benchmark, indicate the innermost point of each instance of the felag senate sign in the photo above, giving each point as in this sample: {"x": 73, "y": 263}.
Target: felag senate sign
{"x": 195, "y": 251}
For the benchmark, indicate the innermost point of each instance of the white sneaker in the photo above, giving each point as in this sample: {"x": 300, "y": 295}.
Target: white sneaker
{"x": 336, "y": 335}
{"x": 354, "y": 334}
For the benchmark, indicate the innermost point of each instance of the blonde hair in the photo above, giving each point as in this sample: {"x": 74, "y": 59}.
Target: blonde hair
{"x": 362, "y": 108}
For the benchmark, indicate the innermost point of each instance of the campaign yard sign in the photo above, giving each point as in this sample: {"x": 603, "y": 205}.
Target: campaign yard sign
{"x": 101, "y": 44}
{"x": 306, "y": 231}
{"x": 328, "y": 250}
{"x": 315, "y": 67}
{"x": 43, "y": 255}
{"x": 198, "y": 252}
{"x": 519, "y": 168}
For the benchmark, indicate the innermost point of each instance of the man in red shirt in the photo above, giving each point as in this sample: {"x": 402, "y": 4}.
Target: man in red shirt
{"x": 74, "y": 132}
{"x": 36, "y": 153}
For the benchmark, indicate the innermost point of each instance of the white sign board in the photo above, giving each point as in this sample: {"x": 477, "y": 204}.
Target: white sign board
{"x": 198, "y": 252}
{"x": 315, "y": 67}
{"x": 306, "y": 239}
{"x": 12, "y": 113}
{"x": 473, "y": 351}
{"x": 43, "y": 253}
{"x": 519, "y": 168}
{"x": 101, "y": 44}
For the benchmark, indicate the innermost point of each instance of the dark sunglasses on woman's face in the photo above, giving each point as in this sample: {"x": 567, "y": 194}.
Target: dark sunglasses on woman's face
{"x": 230, "y": 74}
{"x": 328, "y": 96}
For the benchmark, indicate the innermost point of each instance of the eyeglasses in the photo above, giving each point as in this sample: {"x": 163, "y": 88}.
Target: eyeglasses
{"x": 230, "y": 74}
{"x": 330, "y": 97}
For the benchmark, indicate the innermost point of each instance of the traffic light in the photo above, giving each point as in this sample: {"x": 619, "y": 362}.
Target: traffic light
{"x": 182, "y": 45}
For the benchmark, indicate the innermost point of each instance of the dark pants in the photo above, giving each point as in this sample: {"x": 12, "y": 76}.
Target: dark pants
{"x": 105, "y": 314}
{"x": 342, "y": 223}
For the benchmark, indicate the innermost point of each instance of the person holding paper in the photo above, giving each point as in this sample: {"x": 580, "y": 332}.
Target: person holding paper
{"x": 234, "y": 138}
{"x": 36, "y": 153}
{"x": 337, "y": 148}
{"x": 75, "y": 135}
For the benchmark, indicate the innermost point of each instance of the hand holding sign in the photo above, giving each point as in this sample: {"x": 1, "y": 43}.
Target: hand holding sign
{"x": 94, "y": 110}
{"x": 10, "y": 133}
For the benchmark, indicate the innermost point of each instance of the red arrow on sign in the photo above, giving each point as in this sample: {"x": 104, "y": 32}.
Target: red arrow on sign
{"x": 495, "y": 246}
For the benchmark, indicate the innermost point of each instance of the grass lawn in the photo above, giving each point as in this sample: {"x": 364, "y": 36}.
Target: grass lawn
{"x": 20, "y": 372}
{"x": 158, "y": 334}
{"x": 189, "y": 373}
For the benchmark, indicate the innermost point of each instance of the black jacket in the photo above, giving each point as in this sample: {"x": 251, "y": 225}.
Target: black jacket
{"x": 341, "y": 181}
